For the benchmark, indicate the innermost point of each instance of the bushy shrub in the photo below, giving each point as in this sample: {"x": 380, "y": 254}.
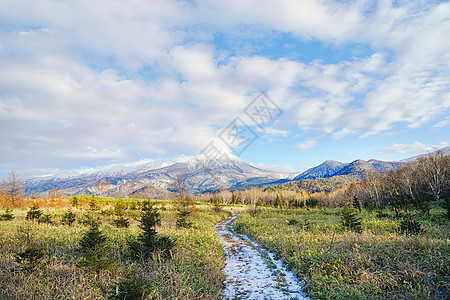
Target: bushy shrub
{"x": 408, "y": 225}
{"x": 312, "y": 202}
{"x": 217, "y": 208}
{"x": 292, "y": 222}
{"x": 7, "y": 215}
{"x": 30, "y": 258}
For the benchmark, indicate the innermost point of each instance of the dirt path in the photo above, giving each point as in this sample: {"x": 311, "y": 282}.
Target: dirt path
{"x": 252, "y": 272}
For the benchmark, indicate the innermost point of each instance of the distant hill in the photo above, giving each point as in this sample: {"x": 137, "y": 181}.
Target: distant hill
{"x": 198, "y": 173}
{"x": 156, "y": 178}
{"x": 328, "y": 184}
{"x": 357, "y": 168}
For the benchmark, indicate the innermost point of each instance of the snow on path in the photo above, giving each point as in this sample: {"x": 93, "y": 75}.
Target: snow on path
{"x": 252, "y": 272}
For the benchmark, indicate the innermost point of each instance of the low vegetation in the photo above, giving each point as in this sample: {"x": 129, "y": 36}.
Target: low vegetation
{"x": 386, "y": 237}
{"x": 375, "y": 258}
{"x": 72, "y": 259}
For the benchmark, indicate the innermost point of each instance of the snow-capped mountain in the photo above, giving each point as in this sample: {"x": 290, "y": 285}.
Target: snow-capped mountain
{"x": 357, "y": 168}
{"x": 199, "y": 174}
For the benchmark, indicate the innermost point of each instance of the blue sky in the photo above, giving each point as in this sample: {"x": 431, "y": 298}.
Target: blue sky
{"x": 86, "y": 84}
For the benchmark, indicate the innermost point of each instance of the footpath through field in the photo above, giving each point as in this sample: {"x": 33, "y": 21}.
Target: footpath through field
{"x": 252, "y": 272}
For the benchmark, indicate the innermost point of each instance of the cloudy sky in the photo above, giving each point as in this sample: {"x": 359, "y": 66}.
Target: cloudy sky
{"x": 89, "y": 83}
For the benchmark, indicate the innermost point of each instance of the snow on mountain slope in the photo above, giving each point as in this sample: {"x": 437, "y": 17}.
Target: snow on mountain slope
{"x": 358, "y": 168}
{"x": 199, "y": 173}
{"x": 325, "y": 169}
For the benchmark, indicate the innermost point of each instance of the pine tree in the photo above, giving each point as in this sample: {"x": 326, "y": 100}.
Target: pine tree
{"x": 45, "y": 218}
{"x": 68, "y": 218}
{"x": 30, "y": 258}
{"x": 182, "y": 219}
{"x": 350, "y": 219}
{"x": 148, "y": 240}
{"x": 7, "y": 215}
{"x": 34, "y": 213}
{"x": 95, "y": 248}
{"x": 119, "y": 211}
{"x": 131, "y": 288}
{"x": 279, "y": 202}
{"x": 356, "y": 204}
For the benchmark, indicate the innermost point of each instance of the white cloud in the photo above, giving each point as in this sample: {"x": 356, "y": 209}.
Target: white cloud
{"x": 406, "y": 148}
{"x": 101, "y": 82}
{"x": 274, "y": 131}
{"x": 442, "y": 123}
{"x": 307, "y": 144}
{"x": 327, "y": 20}
{"x": 275, "y": 168}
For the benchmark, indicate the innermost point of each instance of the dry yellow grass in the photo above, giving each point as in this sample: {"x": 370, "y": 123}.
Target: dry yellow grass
{"x": 193, "y": 272}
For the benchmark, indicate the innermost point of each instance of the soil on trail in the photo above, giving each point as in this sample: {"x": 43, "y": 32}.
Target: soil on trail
{"x": 252, "y": 272}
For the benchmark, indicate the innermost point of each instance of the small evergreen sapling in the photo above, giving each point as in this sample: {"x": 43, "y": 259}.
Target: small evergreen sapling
{"x": 279, "y": 203}
{"x": 45, "y": 218}
{"x": 119, "y": 211}
{"x": 350, "y": 219}
{"x": 149, "y": 241}
{"x": 121, "y": 222}
{"x": 68, "y": 218}
{"x": 182, "y": 219}
{"x": 447, "y": 206}
{"x": 30, "y": 258}
{"x": 7, "y": 215}
{"x": 356, "y": 204}
{"x": 131, "y": 288}
{"x": 95, "y": 248}
{"x": 34, "y": 213}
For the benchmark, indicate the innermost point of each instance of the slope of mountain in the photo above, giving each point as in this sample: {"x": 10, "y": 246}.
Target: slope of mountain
{"x": 199, "y": 173}
{"x": 445, "y": 150}
{"x": 156, "y": 178}
{"x": 356, "y": 168}
{"x": 326, "y": 169}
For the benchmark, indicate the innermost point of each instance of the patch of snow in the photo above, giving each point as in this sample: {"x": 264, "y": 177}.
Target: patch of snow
{"x": 252, "y": 272}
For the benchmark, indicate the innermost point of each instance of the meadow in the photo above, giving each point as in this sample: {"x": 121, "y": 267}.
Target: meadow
{"x": 192, "y": 270}
{"x": 380, "y": 262}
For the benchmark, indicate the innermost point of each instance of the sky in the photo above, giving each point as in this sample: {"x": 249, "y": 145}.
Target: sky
{"x": 90, "y": 83}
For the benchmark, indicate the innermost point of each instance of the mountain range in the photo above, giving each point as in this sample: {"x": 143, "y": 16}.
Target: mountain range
{"x": 156, "y": 178}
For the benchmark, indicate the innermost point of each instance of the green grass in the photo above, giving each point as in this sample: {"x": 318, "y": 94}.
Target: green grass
{"x": 195, "y": 270}
{"x": 337, "y": 264}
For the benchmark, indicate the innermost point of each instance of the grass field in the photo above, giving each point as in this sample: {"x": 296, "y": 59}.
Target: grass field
{"x": 378, "y": 263}
{"x": 194, "y": 270}
{"x": 334, "y": 263}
